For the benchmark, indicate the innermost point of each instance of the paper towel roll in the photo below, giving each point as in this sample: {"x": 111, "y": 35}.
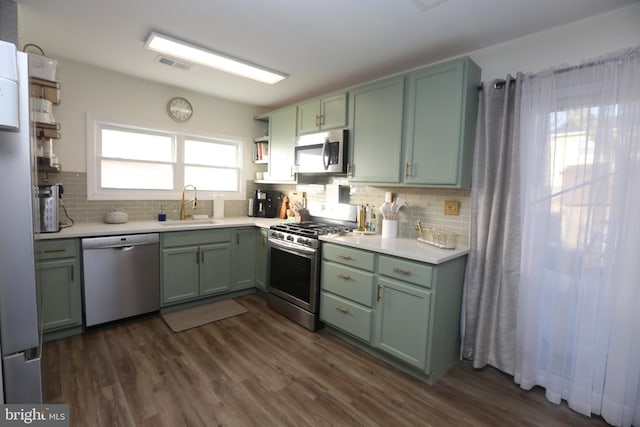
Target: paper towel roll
{"x": 218, "y": 205}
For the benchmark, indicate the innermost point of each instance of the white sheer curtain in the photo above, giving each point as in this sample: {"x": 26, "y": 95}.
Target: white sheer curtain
{"x": 578, "y": 327}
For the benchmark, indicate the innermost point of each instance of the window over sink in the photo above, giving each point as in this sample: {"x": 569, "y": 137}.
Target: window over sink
{"x": 129, "y": 162}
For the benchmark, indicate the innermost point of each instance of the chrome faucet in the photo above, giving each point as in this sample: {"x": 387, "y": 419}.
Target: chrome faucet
{"x": 194, "y": 201}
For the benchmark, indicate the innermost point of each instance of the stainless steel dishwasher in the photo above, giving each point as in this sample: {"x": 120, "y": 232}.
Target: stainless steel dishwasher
{"x": 121, "y": 276}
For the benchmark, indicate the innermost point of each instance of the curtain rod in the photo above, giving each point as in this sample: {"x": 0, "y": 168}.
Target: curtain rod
{"x": 501, "y": 82}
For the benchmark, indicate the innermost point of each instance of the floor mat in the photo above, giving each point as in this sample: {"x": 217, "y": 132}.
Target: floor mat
{"x": 192, "y": 317}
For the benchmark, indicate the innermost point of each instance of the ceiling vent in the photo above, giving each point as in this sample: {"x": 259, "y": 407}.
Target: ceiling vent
{"x": 173, "y": 63}
{"x": 425, "y": 5}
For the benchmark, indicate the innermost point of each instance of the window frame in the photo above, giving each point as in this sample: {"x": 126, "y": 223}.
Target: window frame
{"x": 95, "y": 124}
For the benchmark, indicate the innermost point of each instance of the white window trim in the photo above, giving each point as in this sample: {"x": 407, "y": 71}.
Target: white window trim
{"x": 95, "y": 122}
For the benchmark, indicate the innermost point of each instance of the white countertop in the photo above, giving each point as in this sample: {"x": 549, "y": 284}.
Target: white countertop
{"x": 135, "y": 227}
{"x": 405, "y": 248}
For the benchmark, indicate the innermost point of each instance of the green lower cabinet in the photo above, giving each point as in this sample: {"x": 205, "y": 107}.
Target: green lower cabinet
{"x": 403, "y": 311}
{"x": 215, "y": 275}
{"x": 195, "y": 265}
{"x": 59, "y": 284}
{"x": 346, "y": 315}
{"x": 402, "y": 321}
{"x": 180, "y": 274}
{"x": 244, "y": 258}
{"x": 261, "y": 259}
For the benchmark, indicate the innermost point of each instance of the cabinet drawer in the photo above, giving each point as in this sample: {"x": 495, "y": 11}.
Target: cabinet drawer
{"x": 348, "y": 282}
{"x": 200, "y": 237}
{"x": 54, "y": 249}
{"x": 408, "y": 271}
{"x": 348, "y": 256}
{"x": 346, "y": 315}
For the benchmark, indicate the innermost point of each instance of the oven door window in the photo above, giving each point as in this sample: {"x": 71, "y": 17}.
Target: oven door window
{"x": 291, "y": 274}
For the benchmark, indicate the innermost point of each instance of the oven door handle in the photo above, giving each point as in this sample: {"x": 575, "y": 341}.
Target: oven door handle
{"x": 296, "y": 249}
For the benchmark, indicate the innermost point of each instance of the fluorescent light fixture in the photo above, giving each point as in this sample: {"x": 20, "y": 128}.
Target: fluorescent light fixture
{"x": 209, "y": 58}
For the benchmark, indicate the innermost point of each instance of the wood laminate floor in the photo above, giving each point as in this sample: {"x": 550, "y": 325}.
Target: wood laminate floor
{"x": 261, "y": 369}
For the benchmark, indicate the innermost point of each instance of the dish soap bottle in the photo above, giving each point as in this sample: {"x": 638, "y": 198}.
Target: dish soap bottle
{"x": 162, "y": 215}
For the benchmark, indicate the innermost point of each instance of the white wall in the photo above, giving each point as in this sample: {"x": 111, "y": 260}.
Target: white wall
{"x": 88, "y": 89}
{"x": 567, "y": 44}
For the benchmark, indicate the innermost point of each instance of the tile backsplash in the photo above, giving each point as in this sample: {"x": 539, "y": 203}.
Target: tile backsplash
{"x": 83, "y": 210}
{"x": 425, "y": 204}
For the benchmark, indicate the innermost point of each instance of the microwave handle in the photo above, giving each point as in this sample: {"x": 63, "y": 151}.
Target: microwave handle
{"x": 325, "y": 155}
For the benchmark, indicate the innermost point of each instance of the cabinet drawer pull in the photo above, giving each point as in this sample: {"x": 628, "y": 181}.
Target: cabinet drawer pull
{"x": 54, "y": 250}
{"x": 401, "y": 271}
{"x": 406, "y": 170}
{"x": 344, "y": 256}
{"x": 378, "y": 293}
{"x": 342, "y": 309}
{"x": 344, "y": 276}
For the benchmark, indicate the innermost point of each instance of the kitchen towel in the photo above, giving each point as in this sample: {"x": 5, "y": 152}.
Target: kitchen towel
{"x": 182, "y": 320}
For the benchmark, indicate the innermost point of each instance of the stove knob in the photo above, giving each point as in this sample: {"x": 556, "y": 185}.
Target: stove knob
{"x": 290, "y": 238}
{"x": 300, "y": 240}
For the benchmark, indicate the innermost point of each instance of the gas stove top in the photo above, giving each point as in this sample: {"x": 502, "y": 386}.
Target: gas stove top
{"x": 324, "y": 219}
{"x": 305, "y": 233}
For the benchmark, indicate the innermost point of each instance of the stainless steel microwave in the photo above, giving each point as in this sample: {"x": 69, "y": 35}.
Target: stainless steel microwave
{"x": 321, "y": 152}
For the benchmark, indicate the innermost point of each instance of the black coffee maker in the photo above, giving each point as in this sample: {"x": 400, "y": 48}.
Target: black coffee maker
{"x": 266, "y": 204}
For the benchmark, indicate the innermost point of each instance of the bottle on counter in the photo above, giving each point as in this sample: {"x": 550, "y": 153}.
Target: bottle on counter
{"x": 362, "y": 215}
{"x": 367, "y": 217}
{"x": 162, "y": 215}
{"x": 372, "y": 223}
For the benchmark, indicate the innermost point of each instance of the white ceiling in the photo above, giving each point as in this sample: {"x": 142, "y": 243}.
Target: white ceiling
{"x": 323, "y": 45}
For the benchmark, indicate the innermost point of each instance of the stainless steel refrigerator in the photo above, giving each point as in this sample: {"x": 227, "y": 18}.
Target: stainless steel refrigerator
{"x": 20, "y": 341}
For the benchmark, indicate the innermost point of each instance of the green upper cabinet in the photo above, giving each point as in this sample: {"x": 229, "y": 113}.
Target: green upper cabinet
{"x": 376, "y": 131}
{"x": 282, "y": 131}
{"x": 319, "y": 114}
{"x": 440, "y": 117}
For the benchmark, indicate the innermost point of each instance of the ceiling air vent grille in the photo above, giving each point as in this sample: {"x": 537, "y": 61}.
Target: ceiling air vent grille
{"x": 173, "y": 63}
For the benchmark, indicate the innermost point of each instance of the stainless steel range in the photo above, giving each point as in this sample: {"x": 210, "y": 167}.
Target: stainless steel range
{"x": 294, "y": 261}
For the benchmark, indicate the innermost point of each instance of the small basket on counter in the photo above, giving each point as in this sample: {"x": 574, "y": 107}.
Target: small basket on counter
{"x": 436, "y": 237}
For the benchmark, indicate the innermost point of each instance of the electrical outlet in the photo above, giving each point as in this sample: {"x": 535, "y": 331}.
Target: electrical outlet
{"x": 451, "y": 207}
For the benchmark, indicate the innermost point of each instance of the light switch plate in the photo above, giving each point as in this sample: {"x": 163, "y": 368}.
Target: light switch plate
{"x": 451, "y": 207}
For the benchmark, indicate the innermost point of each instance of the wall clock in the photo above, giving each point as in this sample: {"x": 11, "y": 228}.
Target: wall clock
{"x": 179, "y": 109}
